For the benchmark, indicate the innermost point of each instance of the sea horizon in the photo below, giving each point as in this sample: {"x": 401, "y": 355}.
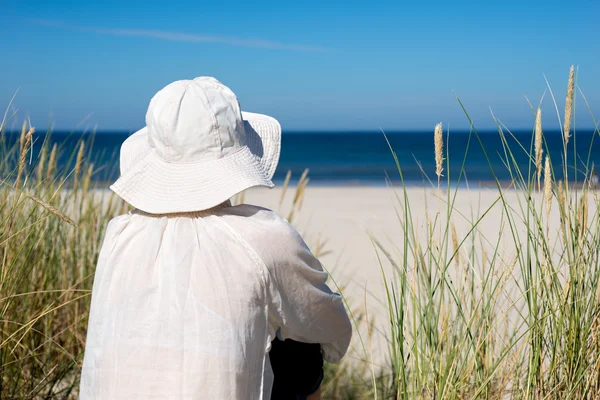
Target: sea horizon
{"x": 361, "y": 158}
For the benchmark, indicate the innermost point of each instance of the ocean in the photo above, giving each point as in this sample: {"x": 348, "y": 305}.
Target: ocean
{"x": 364, "y": 158}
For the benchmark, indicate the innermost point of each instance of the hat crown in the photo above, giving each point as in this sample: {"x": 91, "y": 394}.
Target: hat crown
{"x": 195, "y": 120}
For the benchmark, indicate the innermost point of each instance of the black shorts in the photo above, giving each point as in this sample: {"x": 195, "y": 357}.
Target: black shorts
{"x": 297, "y": 369}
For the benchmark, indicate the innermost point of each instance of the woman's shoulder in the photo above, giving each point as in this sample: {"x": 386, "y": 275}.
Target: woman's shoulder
{"x": 119, "y": 221}
{"x": 261, "y": 225}
{"x": 253, "y": 214}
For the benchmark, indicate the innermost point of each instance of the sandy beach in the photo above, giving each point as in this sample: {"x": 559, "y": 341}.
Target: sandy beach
{"x": 344, "y": 217}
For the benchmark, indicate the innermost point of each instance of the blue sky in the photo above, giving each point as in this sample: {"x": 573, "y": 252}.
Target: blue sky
{"x": 311, "y": 64}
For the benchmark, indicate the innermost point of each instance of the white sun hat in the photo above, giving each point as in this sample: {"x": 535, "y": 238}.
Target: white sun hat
{"x": 198, "y": 149}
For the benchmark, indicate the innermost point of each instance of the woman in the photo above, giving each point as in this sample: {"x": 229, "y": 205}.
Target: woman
{"x": 189, "y": 291}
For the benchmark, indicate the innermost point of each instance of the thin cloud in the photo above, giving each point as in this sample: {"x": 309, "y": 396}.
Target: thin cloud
{"x": 184, "y": 37}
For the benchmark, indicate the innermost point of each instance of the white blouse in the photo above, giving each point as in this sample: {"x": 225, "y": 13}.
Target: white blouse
{"x": 184, "y": 306}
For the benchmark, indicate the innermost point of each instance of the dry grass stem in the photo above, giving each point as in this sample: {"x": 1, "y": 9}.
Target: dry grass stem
{"x": 569, "y": 105}
{"x": 78, "y": 162}
{"x": 51, "y": 209}
{"x": 303, "y": 191}
{"x": 298, "y": 195}
{"x": 300, "y": 188}
{"x": 22, "y": 137}
{"x": 548, "y": 187}
{"x": 286, "y": 182}
{"x": 582, "y": 215}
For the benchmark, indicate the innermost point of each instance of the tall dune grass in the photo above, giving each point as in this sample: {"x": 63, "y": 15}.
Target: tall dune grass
{"x": 51, "y": 226}
{"x": 467, "y": 319}
{"x": 470, "y": 320}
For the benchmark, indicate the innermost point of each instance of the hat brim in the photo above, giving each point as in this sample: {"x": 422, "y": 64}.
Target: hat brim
{"x": 133, "y": 149}
{"x": 155, "y": 186}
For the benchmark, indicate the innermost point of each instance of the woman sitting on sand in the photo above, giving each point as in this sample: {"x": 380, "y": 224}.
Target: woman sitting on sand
{"x": 190, "y": 292}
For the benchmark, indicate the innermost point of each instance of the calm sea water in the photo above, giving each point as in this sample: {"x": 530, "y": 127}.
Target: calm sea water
{"x": 364, "y": 158}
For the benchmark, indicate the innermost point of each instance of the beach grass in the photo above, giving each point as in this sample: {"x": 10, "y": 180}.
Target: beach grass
{"x": 469, "y": 318}
{"x": 51, "y": 227}
{"x": 469, "y": 315}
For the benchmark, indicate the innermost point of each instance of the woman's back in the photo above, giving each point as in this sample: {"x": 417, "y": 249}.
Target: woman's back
{"x": 186, "y": 305}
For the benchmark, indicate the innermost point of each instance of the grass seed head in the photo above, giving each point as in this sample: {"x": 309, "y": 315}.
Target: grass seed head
{"x": 51, "y": 162}
{"x": 455, "y": 244}
{"x": 25, "y": 144}
{"x": 88, "y": 178}
{"x": 562, "y": 204}
{"x": 569, "y": 104}
{"x": 42, "y": 163}
{"x": 78, "y": 161}
{"x": 439, "y": 150}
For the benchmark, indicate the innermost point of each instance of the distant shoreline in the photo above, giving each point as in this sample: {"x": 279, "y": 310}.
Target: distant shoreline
{"x": 126, "y": 132}
{"x": 504, "y": 185}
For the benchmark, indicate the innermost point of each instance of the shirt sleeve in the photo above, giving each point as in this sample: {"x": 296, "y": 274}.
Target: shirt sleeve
{"x": 301, "y": 305}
